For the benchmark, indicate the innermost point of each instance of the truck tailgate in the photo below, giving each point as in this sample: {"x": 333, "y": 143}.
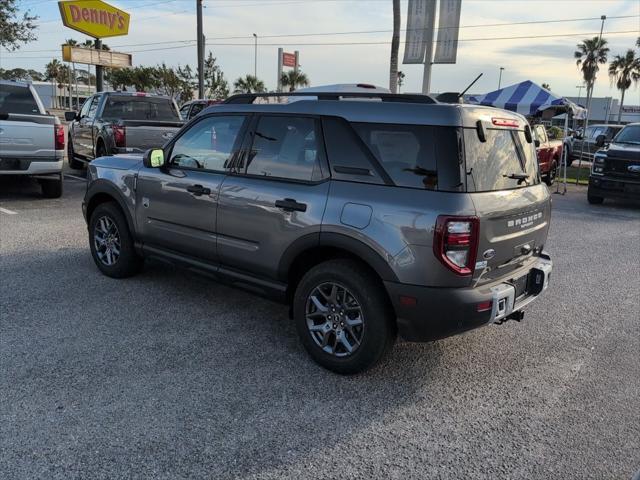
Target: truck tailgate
{"x": 27, "y": 136}
{"x": 142, "y": 135}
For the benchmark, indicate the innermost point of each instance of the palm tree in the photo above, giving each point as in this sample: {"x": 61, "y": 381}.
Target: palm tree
{"x": 52, "y": 71}
{"x": 591, "y": 53}
{"x": 293, "y": 79}
{"x": 395, "y": 46}
{"x": 73, "y": 43}
{"x": 623, "y": 70}
{"x": 249, "y": 84}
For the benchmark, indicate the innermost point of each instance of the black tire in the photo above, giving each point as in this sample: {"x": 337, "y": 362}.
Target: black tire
{"x": 550, "y": 178}
{"x": 594, "y": 199}
{"x": 73, "y": 163}
{"x": 378, "y": 331}
{"x": 52, "y": 188}
{"x": 100, "y": 150}
{"x": 128, "y": 262}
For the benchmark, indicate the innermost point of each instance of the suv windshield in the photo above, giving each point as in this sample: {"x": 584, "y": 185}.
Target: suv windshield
{"x": 505, "y": 161}
{"x": 629, "y": 134}
{"x": 17, "y": 99}
{"x": 140, "y": 108}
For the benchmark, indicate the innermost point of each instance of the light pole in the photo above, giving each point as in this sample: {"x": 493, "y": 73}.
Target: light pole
{"x": 255, "y": 56}
{"x": 500, "y": 77}
{"x": 200, "y": 49}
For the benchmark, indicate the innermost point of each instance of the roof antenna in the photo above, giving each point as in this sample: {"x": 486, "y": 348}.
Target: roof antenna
{"x": 470, "y": 85}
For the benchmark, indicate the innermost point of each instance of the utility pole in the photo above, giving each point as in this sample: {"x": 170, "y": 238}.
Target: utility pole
{"x": 255, "y": 56}
{"x": 500, "y": 78}
{"x": 200, "y": 49}
{"x": 99, "y": 85}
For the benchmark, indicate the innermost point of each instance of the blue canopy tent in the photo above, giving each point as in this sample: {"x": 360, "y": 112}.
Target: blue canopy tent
{"x": 531, "y": 100}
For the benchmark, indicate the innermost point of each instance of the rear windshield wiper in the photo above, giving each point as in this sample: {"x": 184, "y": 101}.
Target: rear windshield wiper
{"x": 521, "y": 177}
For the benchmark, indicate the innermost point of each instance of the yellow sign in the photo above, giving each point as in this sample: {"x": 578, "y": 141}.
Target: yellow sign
{"x": 94, "y": 17}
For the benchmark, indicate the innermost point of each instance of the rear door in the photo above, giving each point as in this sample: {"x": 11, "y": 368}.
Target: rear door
{"x": 275, "y": 195}
{"x": 511, "y": 203}
{"x": 177, "y": 204}
{"x": 83, "y": 130}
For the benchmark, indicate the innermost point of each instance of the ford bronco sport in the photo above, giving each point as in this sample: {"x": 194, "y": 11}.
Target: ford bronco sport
{"x": 369, "y": 218}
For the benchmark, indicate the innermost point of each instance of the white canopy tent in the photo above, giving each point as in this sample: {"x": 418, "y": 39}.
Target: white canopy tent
{"x": 531, "y": 100}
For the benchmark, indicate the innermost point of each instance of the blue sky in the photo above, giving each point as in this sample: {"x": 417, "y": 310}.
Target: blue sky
{"x": 544, "y": 59}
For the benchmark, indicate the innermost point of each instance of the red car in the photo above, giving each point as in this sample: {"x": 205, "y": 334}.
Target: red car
{"x": 549, "y": 154}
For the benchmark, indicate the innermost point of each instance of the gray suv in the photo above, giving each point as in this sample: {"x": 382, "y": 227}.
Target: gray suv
{"x": 369, "y": 218}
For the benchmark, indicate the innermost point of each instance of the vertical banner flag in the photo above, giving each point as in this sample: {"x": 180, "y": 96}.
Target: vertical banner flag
{"x": 448, "y": 28}
{"x": 419, "y": 30}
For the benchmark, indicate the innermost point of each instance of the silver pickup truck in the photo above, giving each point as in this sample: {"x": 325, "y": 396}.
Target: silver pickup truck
{"x": 31, "y": 141}
{"x": 120, "y": 122}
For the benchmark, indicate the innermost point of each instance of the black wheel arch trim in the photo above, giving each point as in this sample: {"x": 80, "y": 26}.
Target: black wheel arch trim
{"x": 102, "y": 186}
{"x": 335, "y": 240}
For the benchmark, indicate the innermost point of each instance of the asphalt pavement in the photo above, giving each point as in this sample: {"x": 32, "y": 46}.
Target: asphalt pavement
{"x": 169, "y": 375}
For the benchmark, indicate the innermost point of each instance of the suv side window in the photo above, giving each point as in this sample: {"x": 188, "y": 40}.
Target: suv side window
{"x": 348, "y": 158}
{"x": 286, "y": 147}
{"x": 208, "y": 144}
{"x": 91, "y": 113}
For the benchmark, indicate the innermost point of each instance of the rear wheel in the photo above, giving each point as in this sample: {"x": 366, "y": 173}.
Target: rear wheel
{"x": 73, "y": 163}
{"x": 550, "y": 178}
{"x": 111, "y": 243}
{"x": 100, "y": 150}
{"x": 343, "y": 316}
{"x": 52, "y": 188}
{"x": 594, "y": 199}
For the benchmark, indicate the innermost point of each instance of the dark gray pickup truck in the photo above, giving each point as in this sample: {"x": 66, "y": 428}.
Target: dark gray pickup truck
{"x": 120, "y": 122}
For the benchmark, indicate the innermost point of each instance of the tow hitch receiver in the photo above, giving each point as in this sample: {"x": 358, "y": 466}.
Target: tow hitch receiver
{"x": 517, "y": 316}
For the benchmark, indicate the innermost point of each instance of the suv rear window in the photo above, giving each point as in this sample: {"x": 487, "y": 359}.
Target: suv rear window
{"x": 417, "y": 156}
{"x": 17, "y": 99}
{"x": 140, "y": 108}
{"x": 492, "y": 165}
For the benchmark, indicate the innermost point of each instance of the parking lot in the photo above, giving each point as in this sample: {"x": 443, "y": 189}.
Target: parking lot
{"x": 169, "y": 375}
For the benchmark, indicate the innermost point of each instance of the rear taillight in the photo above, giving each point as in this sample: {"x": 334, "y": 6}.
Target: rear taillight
{"x": 58, "y": 137}
{"x": 119, "y": 136}
{"x": 455, "y": 243}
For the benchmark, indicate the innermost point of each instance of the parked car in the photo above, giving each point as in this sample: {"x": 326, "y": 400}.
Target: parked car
{"x": 549, "y": 153}
{"x": 120, "y": 122}
{"x": 616, "y": 167}
{"x": 31, "y": 140}
{"x": 194, "y": 107}
{"x": 367, "y": 218}
{"x": 588, "y": 139}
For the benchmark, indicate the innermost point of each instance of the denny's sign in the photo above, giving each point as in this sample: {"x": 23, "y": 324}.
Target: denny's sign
{"x": 94, "y": 17}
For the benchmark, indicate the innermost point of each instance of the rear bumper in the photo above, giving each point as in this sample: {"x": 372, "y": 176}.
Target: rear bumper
{"x": 613, "y": 187}
{"x": 33, "y": 167}
{"x": 443, "y": 312}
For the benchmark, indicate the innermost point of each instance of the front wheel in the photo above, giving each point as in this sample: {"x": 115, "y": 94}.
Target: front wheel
{"x": 111, "y": 243}
{"x": 343, "y": 316}
{"x": 550, "y": 178}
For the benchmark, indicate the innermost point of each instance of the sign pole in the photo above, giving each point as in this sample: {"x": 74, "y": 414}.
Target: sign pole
{"x": 200, "y": 50}
{"x": 99, "y": 84}
{"x": 279, "y": 83}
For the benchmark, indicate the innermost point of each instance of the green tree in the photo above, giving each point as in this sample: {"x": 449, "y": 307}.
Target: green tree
{"x": 143, "y": 78}
{"x": 591, "y": 53}
{"x": 249, "y": 84}
{"x": 52, "y": 72}
{"x": 167, "y": 80}
{"x": 13, "y": 29}
{"x": 216, "y": 86}
{"x": 293, "y": 79}
{"x": 624, "y": 70}
{"x": 187, "y": 81}
{"x": 20, "y": 74}
{"x": 120, "y": 78}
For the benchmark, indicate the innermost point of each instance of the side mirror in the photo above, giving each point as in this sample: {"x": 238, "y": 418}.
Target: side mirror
{"x": 70, "y": 116}
{"x": 536, "y": 142}
{"x": 153, "y": 158}
{"x": 600, "y": 140}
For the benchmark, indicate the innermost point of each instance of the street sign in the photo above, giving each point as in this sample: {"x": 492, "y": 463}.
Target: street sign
{"x": 95, "y": 18}
{"x": 90, "y": 56}
{"x": 289, "y": 59}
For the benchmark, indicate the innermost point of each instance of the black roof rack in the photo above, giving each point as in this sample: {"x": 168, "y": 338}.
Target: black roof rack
{"x": 248, "y": 98}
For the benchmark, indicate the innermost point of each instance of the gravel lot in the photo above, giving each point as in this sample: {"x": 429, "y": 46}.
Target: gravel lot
{"x": 169, "y": 375}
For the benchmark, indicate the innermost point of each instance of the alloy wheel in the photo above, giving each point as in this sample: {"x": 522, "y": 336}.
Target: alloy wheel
{"x": 334, "y": 319}
{"x": 106, "y": 239}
